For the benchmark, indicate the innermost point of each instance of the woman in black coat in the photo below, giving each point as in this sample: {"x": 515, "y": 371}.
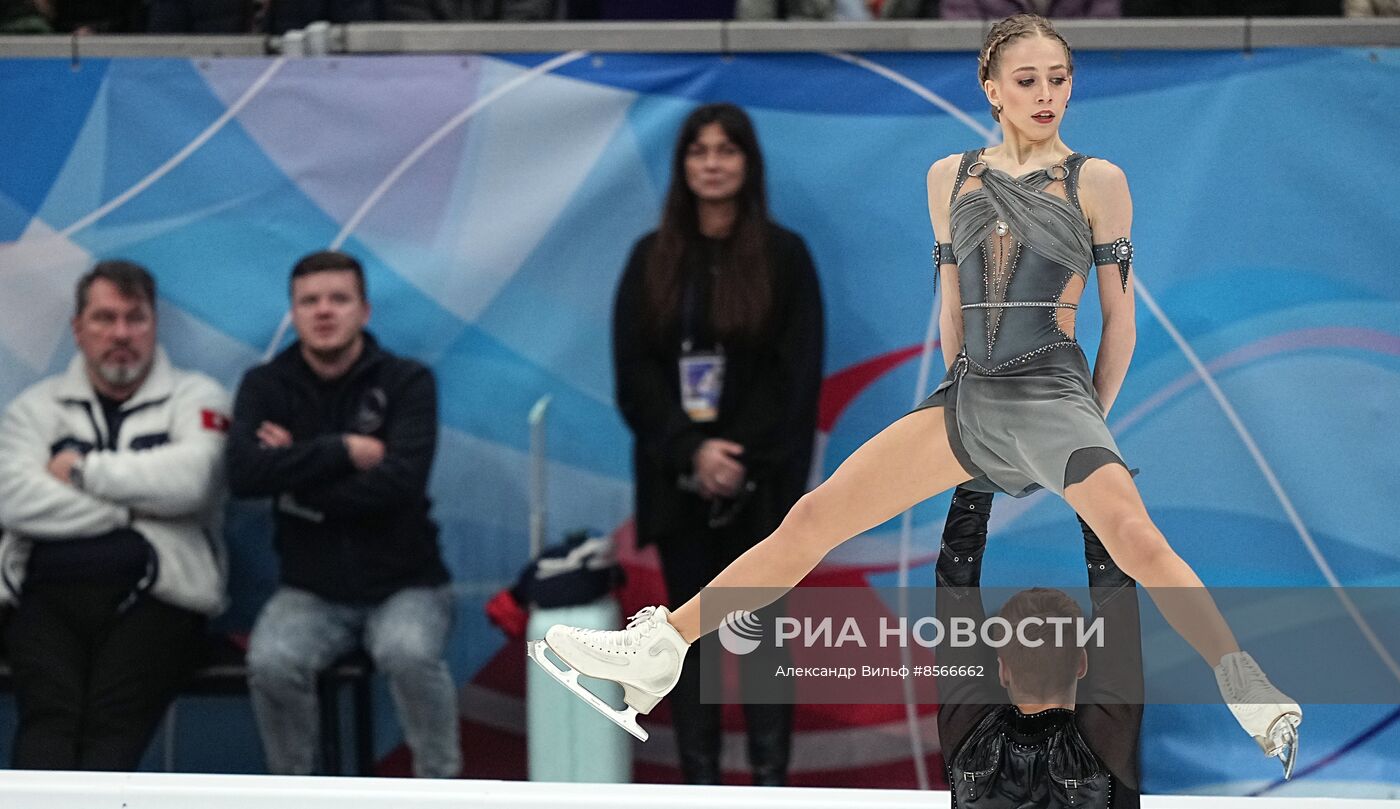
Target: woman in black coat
{"x": 717, "y": 348}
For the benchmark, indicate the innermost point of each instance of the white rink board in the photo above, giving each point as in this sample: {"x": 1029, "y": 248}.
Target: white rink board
{"x": 60, "y": 790}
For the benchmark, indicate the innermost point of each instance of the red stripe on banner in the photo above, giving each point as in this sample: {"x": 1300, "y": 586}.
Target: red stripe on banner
{"x": 842, "y": 387}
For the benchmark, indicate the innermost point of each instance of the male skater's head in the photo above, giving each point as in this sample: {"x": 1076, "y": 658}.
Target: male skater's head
{"x": 1040, "y": 667}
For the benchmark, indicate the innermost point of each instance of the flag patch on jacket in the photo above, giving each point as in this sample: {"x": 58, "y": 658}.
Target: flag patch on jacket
{"x": 214, "y": 420}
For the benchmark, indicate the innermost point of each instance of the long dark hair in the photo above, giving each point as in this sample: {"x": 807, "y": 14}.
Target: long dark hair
{"x": 742, "y": 291}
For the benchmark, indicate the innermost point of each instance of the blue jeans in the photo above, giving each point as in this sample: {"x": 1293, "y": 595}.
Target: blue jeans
{"x": 298, "y": 635}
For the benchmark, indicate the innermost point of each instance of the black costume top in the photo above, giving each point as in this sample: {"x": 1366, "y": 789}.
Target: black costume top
{"x": 1000, "y": 758}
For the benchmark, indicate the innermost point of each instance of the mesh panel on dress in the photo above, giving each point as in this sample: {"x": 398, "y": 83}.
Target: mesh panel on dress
{"x": 999, "y": 255}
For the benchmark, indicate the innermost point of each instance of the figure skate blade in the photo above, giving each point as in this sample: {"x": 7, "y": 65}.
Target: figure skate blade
{"x": 625, "y": 719}
{"x": 1283, "y": 742}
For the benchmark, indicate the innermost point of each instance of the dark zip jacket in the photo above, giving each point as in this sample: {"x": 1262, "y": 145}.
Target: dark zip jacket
{"x": 342, "y": 534}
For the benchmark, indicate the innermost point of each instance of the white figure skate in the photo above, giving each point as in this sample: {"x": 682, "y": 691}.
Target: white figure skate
{"x": 1262, "y": 710}
{"x": 645, "y": 659}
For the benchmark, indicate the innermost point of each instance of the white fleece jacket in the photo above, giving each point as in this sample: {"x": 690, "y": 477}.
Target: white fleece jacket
{"x": 164, "y": 479}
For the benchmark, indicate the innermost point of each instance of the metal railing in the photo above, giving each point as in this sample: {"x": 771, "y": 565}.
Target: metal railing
{"x": 1231, "y": 33}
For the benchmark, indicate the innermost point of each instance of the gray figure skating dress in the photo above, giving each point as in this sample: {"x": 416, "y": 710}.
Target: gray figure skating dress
{"x": 1019, "y": 401}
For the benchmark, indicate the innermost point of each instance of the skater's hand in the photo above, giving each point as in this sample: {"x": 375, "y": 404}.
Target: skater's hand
{"x": 717, "y": 468}
{"x": 366, "y": 452}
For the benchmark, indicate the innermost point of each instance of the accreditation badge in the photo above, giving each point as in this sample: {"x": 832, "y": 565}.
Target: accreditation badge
{"x": 702, "y": 382}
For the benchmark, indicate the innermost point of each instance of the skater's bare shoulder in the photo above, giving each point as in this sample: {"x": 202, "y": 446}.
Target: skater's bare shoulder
{"x": 941, "y": 176}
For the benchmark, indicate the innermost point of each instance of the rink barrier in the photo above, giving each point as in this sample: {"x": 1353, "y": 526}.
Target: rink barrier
{"x": 1227, "y": 33}
{"x": 59, "y": 790}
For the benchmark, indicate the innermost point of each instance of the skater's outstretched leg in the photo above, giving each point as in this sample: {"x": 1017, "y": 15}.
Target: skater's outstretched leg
{"x": 908, "y": 462}
{"x": 1109, "y": 502}
{"x": 905, "y": 464}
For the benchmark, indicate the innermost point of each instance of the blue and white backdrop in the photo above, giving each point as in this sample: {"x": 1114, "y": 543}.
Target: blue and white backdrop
{"x": 494, "y": 200}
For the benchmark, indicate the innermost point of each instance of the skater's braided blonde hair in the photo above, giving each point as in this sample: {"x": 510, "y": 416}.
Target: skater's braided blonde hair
{"x": 1013, "y": 28}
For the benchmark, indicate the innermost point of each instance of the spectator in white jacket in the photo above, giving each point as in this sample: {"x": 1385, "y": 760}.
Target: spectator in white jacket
{"x": 111, "y": 493}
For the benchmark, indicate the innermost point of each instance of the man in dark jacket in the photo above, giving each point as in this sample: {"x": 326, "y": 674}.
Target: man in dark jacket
{"x": 341, "y": 434}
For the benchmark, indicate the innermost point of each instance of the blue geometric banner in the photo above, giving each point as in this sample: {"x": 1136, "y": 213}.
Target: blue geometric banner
{"x": 494, "y": 201}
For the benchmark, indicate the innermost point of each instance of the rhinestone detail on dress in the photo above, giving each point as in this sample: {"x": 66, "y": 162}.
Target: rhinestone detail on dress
{"x": 1052, "y": 304}
{"x": 985, "y": 371}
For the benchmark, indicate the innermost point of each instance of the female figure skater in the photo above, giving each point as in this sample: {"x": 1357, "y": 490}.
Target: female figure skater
{"x": 1018, "y": 409}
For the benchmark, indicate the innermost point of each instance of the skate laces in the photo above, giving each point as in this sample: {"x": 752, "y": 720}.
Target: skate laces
{"x": 642, "y": 616}
{"x": 639, "y": 626}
